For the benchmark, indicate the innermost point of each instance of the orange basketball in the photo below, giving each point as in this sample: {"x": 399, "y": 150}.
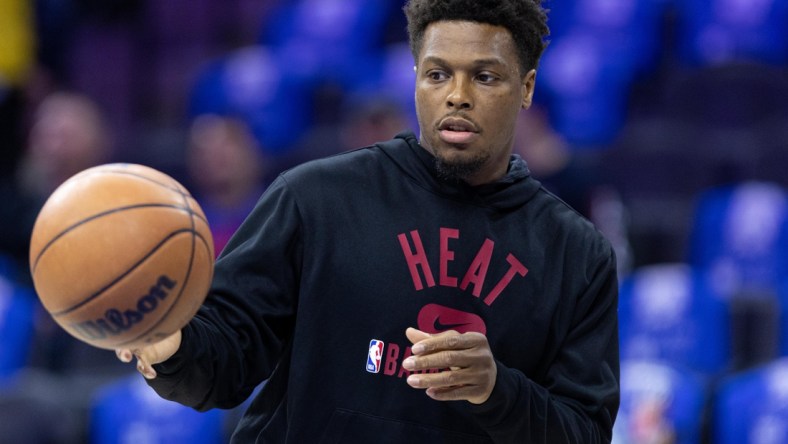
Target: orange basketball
{"x": 121, "y": 256}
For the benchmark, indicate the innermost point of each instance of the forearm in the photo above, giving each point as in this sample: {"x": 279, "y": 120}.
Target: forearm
{"x": 182, "y": 377}
{"x": 206, "y": 371}
{"x": 521, "y": 411}
{"x": 577, "y": 399}
{"x": 236, "y": 338}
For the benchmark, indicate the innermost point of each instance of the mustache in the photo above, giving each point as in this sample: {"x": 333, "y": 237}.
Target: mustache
{"x": 458, "y": 115}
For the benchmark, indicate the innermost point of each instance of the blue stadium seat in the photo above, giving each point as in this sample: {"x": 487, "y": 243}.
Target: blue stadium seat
{"x": 668, "y": 313}
{"x": 329, "y": 39}
{"x": 338, "y": 27}
{"x": 632, "y": 26}
{"x": 584, "y": 89}
{"x": 17, "y": 309}
{"x": 128, "y": 411}
{"x": 598, "y": 49}
{"x": 720, "y": 31}
{"x": 739, "y": 242}
{"x": 740, "y": 236}
{"x": 389, "y": 75}
{"x": 659, "y": 404}
{"x": 252, "y": 83}
{"x": 752, "y": 407}
{"x": 782, "y": 295}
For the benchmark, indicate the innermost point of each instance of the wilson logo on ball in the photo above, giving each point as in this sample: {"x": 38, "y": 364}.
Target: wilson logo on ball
{"x": 116, "y": 322}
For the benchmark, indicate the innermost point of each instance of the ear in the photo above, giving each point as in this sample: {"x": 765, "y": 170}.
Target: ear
{"x": 529, "y": 82}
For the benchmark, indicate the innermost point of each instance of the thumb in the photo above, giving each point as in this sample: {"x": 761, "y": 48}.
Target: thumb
{"x": 415, "y": 335}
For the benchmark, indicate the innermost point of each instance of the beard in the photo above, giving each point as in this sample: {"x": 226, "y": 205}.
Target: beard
{"x": 458, "y": 171}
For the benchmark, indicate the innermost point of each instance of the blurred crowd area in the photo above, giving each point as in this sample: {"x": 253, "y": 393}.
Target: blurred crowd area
{"x": 665, "y": 122}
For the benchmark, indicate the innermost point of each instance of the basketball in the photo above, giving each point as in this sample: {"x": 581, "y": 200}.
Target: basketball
{"x": 121, "y": 256}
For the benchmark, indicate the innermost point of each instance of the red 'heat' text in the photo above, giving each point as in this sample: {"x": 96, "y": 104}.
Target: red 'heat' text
{"x": 474, "y": 277}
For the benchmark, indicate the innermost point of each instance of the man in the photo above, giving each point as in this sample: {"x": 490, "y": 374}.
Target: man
{"x": 490, "y": 303}
{"x": 68, "y": 134}
{"x": 226, "y": 168}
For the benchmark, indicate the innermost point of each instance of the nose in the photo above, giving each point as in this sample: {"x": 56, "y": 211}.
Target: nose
{"x": 459, "y": 97}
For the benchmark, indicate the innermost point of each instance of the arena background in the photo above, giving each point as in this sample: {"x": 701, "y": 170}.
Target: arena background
{"x": 665, "y": 122}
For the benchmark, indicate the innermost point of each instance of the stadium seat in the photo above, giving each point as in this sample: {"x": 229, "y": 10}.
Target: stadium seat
{"x": 330, "y": 40}
{"x": 782, "y": 296}
{"x": 740, "y": 236}
{"x": 251, "y": 83}
{"x": 128, "y": 411}
{"x": 712, "y": 32}
{"x": 668, "y": 313}
{"x": 389, "y": 75}
{"x": 598, "y": 50}
{"x": 659, "y": 404}
{"x": 739, "y": 241}
{"x": 17, "y": 308}
{"x": 584, "y": 88}
{"x": 752, "y": 407}
{"x": 331, "y": 27}
{"x": 634, "y": 26}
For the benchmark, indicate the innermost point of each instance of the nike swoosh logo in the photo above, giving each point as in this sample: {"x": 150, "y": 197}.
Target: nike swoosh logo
{"x": 434, "y": 318}
{"x": 443, "y": 327}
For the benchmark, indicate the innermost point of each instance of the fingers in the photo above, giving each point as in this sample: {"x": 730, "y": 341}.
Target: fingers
{"x": 124, "y": 355}
{"x": 151, "y": 354}
{"x": 440, "y": 360}
{"x": 444, "y": 379}
{"x": 425, "y": 343}
{"x": 465, "y": 364}
{"x": 145, "y": 367}
{"x": 447, "y": 340}
{"x": 471, "y": 393}
{"x": 473, "y": 385}
{"x": 143, "y": 364}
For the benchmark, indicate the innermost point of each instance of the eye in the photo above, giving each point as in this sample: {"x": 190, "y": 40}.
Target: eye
{"x": 437, "y": 75}
{"x": 486, "y": 77}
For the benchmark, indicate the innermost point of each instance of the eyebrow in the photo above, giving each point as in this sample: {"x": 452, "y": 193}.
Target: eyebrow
{"x": 479, "y": 62}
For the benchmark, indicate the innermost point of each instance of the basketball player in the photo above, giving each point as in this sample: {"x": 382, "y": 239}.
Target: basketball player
{"x": 492, "y": 303}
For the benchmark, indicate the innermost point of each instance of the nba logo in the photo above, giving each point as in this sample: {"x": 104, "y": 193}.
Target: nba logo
{"x": 374, "y": 356}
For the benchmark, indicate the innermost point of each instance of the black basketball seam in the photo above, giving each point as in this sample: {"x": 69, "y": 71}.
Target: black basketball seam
{"x": 183, "y": 285}
{"x": 191, "y": 263}
{"x": 134, "y": 174}
{"x": 178, "y": 188}
{"x": 105, "y": 213}
{"x": 172, "y": 306}
{"x": 120, "y": 277}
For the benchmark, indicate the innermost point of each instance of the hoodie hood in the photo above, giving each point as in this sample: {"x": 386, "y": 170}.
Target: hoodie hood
{"x": 511, "y": 191}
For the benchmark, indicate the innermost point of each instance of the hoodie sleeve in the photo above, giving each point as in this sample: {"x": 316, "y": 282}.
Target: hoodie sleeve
{"x": 579, "y": 398}
{"x": 237, "y": 337}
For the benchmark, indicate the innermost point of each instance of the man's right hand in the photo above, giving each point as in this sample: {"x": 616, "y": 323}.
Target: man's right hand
{"x": 151, "y": 354}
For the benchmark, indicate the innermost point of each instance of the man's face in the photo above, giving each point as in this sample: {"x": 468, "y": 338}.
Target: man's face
{"x": 469, "y": 91}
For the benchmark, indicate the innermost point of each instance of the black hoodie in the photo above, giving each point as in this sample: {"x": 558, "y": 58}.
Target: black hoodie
{"x": 342, "y": 254}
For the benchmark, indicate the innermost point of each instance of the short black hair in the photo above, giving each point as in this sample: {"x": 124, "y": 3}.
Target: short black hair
{"x": 526, "y": 20}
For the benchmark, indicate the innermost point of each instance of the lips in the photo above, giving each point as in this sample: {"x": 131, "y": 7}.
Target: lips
{"x": 457, "y": 124}
{"x": 455, "y": 130}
